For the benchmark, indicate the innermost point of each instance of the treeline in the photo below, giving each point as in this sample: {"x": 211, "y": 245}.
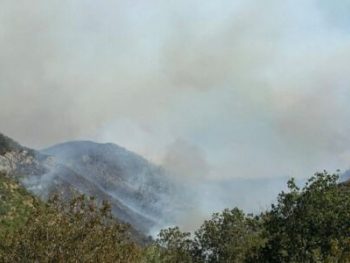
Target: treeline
{"x": 78, "y": 231}
{"x": 311, "y": 224}
{"x": 308, "y": 224}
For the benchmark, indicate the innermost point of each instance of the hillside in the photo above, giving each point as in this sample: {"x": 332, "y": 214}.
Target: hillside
{"x": 307, "y": 223}
{"x": 16, "y": 204}
{"x": 7, "y": 144}
{"x": 121, "y": 174}
{"x": 33, "y": 231}
{"x": 136, "y": 189}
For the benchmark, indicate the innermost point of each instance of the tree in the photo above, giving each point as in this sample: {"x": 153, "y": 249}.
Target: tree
{"x": 230, "y": 236}
{"x": 78, "y": 232}
{"x": 311, "y": 224}
{"x": 175, "y": 246}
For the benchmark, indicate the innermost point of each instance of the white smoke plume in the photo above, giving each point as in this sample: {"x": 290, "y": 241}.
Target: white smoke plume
{"x": 256, "y": 89}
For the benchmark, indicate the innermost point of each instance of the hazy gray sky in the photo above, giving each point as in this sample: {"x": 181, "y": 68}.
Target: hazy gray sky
{"x": 217, "y": 88}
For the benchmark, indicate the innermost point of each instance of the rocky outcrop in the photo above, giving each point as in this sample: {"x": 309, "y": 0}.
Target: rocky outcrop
{"x": 22, "y": 162}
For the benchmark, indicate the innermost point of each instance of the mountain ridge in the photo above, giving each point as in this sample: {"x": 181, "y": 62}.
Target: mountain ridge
{"x": 137, "y": 190}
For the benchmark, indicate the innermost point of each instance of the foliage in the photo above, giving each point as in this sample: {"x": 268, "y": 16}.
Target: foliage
{"x": 175, "y": 246}
{"x": 16, "y": 205}
{"x": 84, "y": 233}
{"x": 78, "y": 232}
{"x": 309, "y": 224}
{"x": 230, "y": 236}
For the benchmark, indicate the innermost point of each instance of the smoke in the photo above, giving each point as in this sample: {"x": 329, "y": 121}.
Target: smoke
{"x": 215, "y": 90}
{"x": 40, "y": 185}
{"x": 186, "y": 160}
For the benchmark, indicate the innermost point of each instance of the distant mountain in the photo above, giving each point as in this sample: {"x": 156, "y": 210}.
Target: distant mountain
{"x": 345, "y": 177}
{"x": 137, "y": 190}
{"x": 124, "y": 176}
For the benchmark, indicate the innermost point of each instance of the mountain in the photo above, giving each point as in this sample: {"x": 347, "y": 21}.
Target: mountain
{"x": 345, "y": 177}
{"x": 122, "y": 175}
{"x": 137, "y": 190}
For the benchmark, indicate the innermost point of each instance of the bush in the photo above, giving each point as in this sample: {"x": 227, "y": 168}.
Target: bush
{"x": 78, "y": 232}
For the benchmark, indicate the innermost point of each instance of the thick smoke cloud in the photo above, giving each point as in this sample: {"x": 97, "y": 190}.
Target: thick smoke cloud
{"x": 261, "y": 88}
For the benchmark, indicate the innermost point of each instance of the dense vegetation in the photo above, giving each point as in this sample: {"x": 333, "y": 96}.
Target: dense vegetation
{"x": 15, "y": 206}
{"x": 308, "y": 224}
{"x": 80, "y": 231}
{"x": 311, "y": 224}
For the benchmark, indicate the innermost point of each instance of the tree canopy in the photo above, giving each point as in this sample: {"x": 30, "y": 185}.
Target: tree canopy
{"x": 309, "y": 224}
{"x": 306, "y": 224}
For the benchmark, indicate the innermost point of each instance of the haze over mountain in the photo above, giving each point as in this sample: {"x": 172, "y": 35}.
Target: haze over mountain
{"x": 139, "y": 192}
{"x": 127, "y": 177}
{"x": 174, "y": 110}
{"x": 143, "y": 194}
{"x": 229, "y": 97}
{"x": 260, "y": 89}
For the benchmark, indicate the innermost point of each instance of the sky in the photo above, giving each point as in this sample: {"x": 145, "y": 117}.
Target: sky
{"x": 210, "y": 89}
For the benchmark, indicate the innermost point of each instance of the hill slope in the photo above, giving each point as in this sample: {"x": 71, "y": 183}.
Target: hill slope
{"x": 16, "y": 204}
{"x": 136, "y": 189}
{"x": 125, "y": 176}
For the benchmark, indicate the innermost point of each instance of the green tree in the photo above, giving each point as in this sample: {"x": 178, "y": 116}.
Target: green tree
{"x": 311, "y": 224}
{"x": 175, "y": 246}
{"x": 78, "y": 232}
{"x": 230, "y": 236}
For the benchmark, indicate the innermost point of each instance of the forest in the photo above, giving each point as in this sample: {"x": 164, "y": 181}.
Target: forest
{"x": 306, "y": 224}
